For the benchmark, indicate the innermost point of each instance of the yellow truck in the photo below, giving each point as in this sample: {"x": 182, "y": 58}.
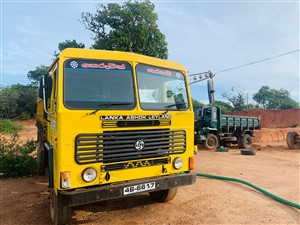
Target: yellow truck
{"x": 113, "y": 124}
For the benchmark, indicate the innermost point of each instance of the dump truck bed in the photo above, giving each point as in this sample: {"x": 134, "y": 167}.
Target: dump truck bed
{"x": 240, "y": 122}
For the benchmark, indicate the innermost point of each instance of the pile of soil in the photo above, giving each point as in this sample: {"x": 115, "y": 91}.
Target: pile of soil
{"x": 272, "y": 137}
{"x": 274, "y": 118}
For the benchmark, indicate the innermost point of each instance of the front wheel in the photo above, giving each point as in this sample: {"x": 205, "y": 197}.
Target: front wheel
{"x": 41, "y": 165}
{"x": 211, "y": 142}
{"x": 163, "y": 195}
{"x": 60, "y": 214}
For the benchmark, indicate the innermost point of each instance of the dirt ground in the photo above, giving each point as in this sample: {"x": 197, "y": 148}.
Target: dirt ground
{"x": 274, "y": 168}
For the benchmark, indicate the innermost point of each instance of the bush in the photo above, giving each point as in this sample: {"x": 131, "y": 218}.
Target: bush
{"x": 9, "y": 127}
{"x": 18, "y": 102}
{"x": 15, "y": 158}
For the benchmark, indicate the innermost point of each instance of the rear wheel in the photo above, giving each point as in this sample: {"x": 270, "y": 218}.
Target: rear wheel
{"x": 245, "y": 141}
{"x": 163, "y": 195}
{"x": 60, "y": 214}
{"x": 211, "y": 142}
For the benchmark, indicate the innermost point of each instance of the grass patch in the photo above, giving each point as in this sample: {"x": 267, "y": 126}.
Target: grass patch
{"x": 9, "y": 127}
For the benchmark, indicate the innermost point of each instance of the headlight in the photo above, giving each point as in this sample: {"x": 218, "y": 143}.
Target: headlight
{"x": 89, "y": 174}
{"x": 177, "y": 163}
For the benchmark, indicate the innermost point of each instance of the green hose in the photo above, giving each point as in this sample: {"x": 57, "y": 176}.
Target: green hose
{"x": 253, "y": 186}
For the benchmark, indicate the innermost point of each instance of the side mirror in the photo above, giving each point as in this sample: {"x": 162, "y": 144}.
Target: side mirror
{"x": 211, "y": 91}
{"x": 45, "y": 87}
{"x": 45, "y": 93}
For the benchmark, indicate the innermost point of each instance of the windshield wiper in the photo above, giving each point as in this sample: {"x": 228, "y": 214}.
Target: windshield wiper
{"x": 107, "y": 105}
{"x": 172, "y": 105}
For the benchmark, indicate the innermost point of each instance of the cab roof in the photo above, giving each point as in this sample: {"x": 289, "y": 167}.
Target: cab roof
{"x": 116, "y": 55}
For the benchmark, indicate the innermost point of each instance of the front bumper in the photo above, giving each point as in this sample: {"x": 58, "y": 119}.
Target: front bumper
{"x": 112, "y": 191}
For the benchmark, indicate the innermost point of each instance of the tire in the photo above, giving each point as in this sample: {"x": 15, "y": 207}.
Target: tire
{"x": 211, "y": 142}
{"x": 246, "y": 141}
{"x": 40, "y": 159}
{"x": 248, "y": 152}
{"x": 163, "y": 195}
{"x": 60, "y": 214}
{"x": 291, "y": 140}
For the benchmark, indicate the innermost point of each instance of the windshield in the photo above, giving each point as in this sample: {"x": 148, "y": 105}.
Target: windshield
{"x": 161, "y": 89}
{"x": 90, "y": 84}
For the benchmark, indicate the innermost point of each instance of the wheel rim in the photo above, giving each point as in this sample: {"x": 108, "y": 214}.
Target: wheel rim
{"x": 212, "y": 142}
{"x": 248, "y": 141}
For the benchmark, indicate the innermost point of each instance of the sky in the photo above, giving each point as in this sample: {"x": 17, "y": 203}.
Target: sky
{"x": 201, "y": 35}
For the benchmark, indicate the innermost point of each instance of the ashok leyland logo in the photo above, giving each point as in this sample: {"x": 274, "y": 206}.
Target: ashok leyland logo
{"x": 139, "y": 145}
{"x": 74, "y": 64}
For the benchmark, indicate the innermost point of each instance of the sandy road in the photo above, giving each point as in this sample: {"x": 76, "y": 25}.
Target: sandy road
{"x": 276, "y": 169}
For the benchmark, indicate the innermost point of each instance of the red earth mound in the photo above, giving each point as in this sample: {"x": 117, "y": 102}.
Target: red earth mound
{"x": 274, "y": 118}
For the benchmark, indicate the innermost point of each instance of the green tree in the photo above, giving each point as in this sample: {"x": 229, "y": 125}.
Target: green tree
{"x": 130, "y": 27}
{"x": 262, "y": 96}
{"x": 269, "y": 98}
{"x": 197, "y": 103}
{"x": 250, "y": 107}
{"x": 68, "y": 44}
{"x": 26, "y": 100}
{"x": 8, "y": 103}
{"x": 225, "y": 108}
{"x": 236, "y": 98}
{"x": 35, "y": 75}
{"x": 18, "y": 101}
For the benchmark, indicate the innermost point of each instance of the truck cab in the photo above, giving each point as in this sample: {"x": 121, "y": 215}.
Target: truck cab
{"x": 207, "y": 116}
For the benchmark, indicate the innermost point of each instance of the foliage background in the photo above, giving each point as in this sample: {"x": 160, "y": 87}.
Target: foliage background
{"x": 18, "y": 102}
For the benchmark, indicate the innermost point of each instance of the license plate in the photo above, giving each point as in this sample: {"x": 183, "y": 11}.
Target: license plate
{"x": 139, "y": 188}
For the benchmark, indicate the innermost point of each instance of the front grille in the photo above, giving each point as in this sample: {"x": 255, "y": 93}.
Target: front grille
{"x": 136, "y": 123}
{"x": 119, "y": 146}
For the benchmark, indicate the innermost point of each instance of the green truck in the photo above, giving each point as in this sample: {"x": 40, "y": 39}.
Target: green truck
{"x": 213, "y": 129}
